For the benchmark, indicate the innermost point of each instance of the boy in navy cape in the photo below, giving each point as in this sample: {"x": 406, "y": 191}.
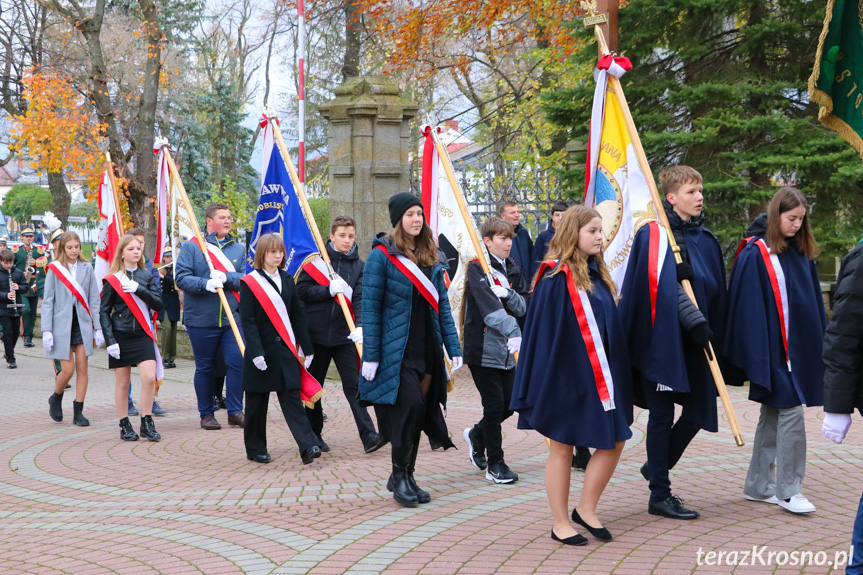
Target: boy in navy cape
{"x": 667, "y": 333}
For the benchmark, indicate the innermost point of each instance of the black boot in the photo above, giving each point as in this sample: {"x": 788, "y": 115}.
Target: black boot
{"x": 55, "y": 407}
{"x": 422, "y": 496}
{"x": 78, "y": 417}
{"x": 126, "y": 431}
{"x": 148, "y": 429}
{"x": 398, "y": 482}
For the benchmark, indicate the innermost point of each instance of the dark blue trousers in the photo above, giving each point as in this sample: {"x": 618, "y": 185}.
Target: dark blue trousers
{"x": 206, "y": 342}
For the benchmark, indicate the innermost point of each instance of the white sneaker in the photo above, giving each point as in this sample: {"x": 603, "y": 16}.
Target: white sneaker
{"x": 797, "y": 504}
{"x": 772, "y": 499}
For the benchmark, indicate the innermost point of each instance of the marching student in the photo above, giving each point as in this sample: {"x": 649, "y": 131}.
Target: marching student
{"x": 278, "y": 351}
{"x": 129, "y": 299}
{"x": 406, "y": 321}
{"x": 544, "y": 238}
{"x": 572, "y": 383}
{"x": 329, "y": 328}
{"x": 775, "y": 320}
{"x": 13, "y": 287}
{"x": 668, "y": 334}
{"x": 69, "y": 325}
{"x": 491, "y": 339}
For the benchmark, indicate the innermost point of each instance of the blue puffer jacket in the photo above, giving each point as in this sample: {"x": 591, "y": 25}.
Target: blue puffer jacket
{"x": 200, "y": 307}
{"x": 386, "y": 321}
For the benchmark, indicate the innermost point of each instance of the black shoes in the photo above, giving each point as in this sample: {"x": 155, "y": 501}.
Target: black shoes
{"x": 126, "y": 431}
{"x": 11, "y": 364}
{"x": 581, "y": 458}
{"x": 148, "y": 429}
{"x": 78, "y": 417}
{"x": 310, "y": 454}
{"x": 373, "y": 442}
{"x": 322, "y": 445}
{"x": 265, "y": 458}
{"x": 574, "y": 540}
{"x": 422, "y": 496}
{"x": 55, "y": 407}
{"x": 645, "y": 472}
{"x": 28, "y": 342}
{"x": 499, "y": 472}
{"x": 218, "y": 402}
{"x": 168, "y": 364}
{"x": 475, "y": 451}
{"x": 672, "y": 508}
{"x": 600, "y": 533}
{"x": 401, "y": 488}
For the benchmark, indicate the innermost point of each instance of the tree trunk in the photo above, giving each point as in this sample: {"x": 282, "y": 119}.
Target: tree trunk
{"x": 351, "y": 65}
{"x": 61, "y": 199}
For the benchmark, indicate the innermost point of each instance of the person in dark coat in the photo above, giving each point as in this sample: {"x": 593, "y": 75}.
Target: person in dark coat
{"x": 329, "y": 329}
{"x": 522, "y": 244}
{"x": 13, "y": 287}
{"x": 544, "y": 238}
{"x": 843, "y": 378}
{"x": 170, "y": 315}
{"x": 668, "y": 334}
{"x": 131, "y": 342}
{"x": 572, "y": 326}
{"x": 269, "y": 364}
{"x": 775, "y": 319}
{"x": 406, "y": 321}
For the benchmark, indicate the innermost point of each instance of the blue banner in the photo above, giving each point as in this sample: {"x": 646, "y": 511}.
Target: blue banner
{"x": 280, "y": 211}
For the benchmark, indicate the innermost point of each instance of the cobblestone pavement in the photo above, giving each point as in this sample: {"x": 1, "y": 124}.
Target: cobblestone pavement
{"x": 80, "y": 501}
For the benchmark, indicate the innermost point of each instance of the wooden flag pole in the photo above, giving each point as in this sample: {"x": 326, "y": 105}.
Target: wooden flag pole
{"x": 110, "y": 170}
{"x": 202, "y": 244}
{"x": 663, "y": 218}
{"x": 322, "y": 248}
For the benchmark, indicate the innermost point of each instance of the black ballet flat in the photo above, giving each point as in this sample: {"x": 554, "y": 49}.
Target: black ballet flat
{"x": 600, "y": 533}
{"x": 574, "y": 540}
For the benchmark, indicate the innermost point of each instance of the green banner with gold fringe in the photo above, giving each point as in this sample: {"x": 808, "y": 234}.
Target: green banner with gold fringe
{"x": 837, "y": 80}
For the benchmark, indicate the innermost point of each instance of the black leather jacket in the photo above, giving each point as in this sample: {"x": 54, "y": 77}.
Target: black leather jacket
{"x": 115, "y": 316}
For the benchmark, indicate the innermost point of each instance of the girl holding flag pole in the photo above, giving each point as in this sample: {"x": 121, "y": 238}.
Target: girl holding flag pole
{"x": 68, "y": 323}
{"x": 130, "y": 297}
{"x": 774, "y": 334}
{"x": 572, "y": 382}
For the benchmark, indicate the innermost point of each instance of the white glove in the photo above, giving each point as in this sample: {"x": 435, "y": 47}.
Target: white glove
{"x": 337, "y": 285}
{"x": 308, "y": 361}
{"x": 47, "y": 340}
{"x": 260, "y": 363}
{"x": 130, "y": 286}
{"x": 114, "y": 351}
{"x": 356, "y": 336}
{"x": 218, "y": 275}
{"x": 500, "y": 291}
{"x": 369, "y": 369}
{"x": 513, "y": 344}
{"x": 100, "y": 338}
{"x": 836, "y": 426}
{"x": 214, "y": 284}
{"x": 457, "y": 362}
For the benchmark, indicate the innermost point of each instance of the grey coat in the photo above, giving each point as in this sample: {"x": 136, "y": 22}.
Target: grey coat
{"x": 57, "y": 311}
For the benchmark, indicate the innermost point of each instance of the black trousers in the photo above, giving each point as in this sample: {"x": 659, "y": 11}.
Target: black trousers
{"x": 255, "y": 431}
{"x": 495, "y": 391}
{"x": 402, "y": 423}
{"x": 11, "y": 326}
{"x": 345, "y": 357}
{"x": 666, "y": 440}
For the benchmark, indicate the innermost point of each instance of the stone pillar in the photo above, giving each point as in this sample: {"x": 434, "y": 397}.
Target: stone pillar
{"x": 369, "y": 140}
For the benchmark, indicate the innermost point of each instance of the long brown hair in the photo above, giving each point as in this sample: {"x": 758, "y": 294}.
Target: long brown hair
{"x": 266, "y": 243}
{"x": 64, "y": 239}
{"x": 785, "y": 200}
{"x": 425, "y": 250}
{"x": 117, "y": 264}
{"x": 564, "y": 247}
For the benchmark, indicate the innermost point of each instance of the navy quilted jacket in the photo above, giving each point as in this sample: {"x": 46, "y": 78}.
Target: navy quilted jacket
{"x": 386, "y": 321}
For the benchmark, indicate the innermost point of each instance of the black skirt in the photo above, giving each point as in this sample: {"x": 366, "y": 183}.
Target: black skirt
{"x": 135, "y": 347}
{"x": 75, "y": 338}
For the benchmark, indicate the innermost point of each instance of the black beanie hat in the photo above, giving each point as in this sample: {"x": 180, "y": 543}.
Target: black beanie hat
{"x": 400, "y": 203}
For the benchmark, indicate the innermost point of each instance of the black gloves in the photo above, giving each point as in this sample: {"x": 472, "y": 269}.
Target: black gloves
{"x": 684, "y": 272}
{"x": 701, "y": 335}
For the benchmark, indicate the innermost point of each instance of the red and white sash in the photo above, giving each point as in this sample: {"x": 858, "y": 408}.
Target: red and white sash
{"x": 590, "y": 334}
{"x": 780, "y": 291}
{"x": 318, "y": 271}
{"x": 657, "y": 250}
{"x": 221, "y": 263}
{"x": 274, "y": 306}
{"x": 416, "y": 277}
{"x": 142, "y": 313}
{"x": 68, "y": 280}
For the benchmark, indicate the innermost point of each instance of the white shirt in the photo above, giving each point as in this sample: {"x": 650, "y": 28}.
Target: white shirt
{"x": 73, "y": 267}
{"x": 500, "y": 261}
{"x": 276, "y": 277}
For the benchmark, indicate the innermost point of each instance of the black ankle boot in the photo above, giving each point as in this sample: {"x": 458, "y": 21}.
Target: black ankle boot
{"x": 78, "y": 417}
{"x": 398, "y": 482}
{"x": 148, "y": 429}
{"x": 55, "y": 406}
{"x": 422, "y": 496}
{"x": 126, "y": 431}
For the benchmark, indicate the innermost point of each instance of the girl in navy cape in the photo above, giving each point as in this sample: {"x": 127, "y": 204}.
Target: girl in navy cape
{"x": 774, "y": 334}
{"x": 572, "y": 383}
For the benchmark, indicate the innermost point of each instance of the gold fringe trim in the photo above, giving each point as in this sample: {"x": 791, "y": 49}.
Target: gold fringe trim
{"x": 816, "y": 71}
{"x": 315, "y": 398}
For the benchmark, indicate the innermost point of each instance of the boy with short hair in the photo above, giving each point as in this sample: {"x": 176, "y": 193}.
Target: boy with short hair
{"x": 329, "y": 328}
{"x": 13, "y": 287}
{"x": 491, "y": 340}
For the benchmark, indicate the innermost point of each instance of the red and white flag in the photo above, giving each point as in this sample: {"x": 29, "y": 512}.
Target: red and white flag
{"x": 109, "y": 229}
{"x": 163, "y": 182}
